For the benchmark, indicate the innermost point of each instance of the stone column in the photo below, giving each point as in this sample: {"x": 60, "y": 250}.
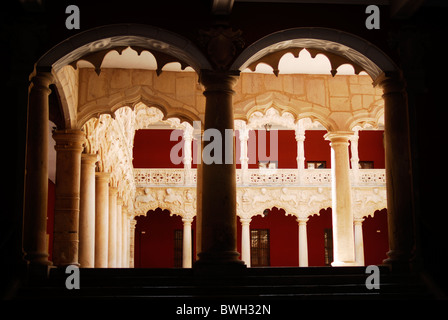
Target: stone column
{"x": 245, "y": 240}
{"x": 244, "y": 159}
{"x": 112, "y": 246}
{"x": 359, "y": 242}
{"x": 218, "y": 243}
{"x": 187, "y": 160}
{"x": 36, "y": 175}
{"x": 117, "y": 246}
{"x": 198, "y": 137}
{"x": 87, "y": 211}
{"x": 398, "y": 174}
{"x": 120, "y": 237}
{"x": 133, "y": 223}
{"x": 303, "y": 242}
{"x": 300, "y": 138}
{"x": 355, "y": 156}
{"x": 101, "y": 218}
{"x": 124, "y": 240}
{"x": 186, "y": 243}
{"x": 342, "y": 216}
{"x": 69, "y": 145}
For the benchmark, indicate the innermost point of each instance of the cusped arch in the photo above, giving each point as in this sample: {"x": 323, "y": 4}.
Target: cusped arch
{"x": 353, "y": 48}
{"x": 131, "y": 97}
{"x": 167, "y": 44}
{"x": 123, "y": 35}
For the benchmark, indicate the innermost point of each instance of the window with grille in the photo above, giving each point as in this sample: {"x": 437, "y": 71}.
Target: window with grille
{"x": 259, "y": 248}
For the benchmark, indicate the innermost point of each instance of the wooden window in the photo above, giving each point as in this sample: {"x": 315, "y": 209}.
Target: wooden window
{"x": 259, "y": 245}
{"x": 316, "y": 164}
{"x": 365, "y": 164}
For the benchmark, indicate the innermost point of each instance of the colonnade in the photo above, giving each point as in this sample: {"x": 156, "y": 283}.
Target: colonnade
{"x": 217, "y": 199}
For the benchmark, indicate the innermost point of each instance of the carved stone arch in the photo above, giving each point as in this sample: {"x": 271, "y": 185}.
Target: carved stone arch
{"x": 284, "y": 106}
{"x": 97, "y": 42}
{"x": 130, "y": 98}
{"x": 341, "y": 44}
{"x": 373, "y": 118}
{"x": 144, "y": 37}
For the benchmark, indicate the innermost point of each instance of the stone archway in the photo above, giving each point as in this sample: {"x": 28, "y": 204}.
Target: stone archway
{"x": 341, "y": 47}
{"x": 52, "y": 68}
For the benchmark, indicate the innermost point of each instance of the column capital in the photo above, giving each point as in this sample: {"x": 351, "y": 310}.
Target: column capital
{"x": 245, "y": 221}
{"x": 390, "y": 82}
{"x": 215, "y": 81}
{"x": 105, "y": 176}
{"x": 339, "y": 136}
{"x": 302, "y": 221}
{"x": 113, "y": 191}
{"x": 41, "y": 81}
{"x": 89, "y": 158}
{"x": 358, "y": 220}
{"x": 69, "y": 140}
{"x": 187, "y": 220}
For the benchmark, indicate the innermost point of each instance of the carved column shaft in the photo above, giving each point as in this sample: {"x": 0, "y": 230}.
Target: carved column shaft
{"x": 398, "y": 175}
{"x": 36, "y": 175}
{"x": 218, "y": 243}
{"x": 303, "y": 242}
{"x": 69, "y": 145}
{"x": 113, "y": 217}
{"x": 187, "y": 243}
{"x": 87, "y": 211}
{"x": 359, "y": 242}
{"x": 342, "y": 214}
{"x": 101, "y": 218}
{"x": 245, "y": 240}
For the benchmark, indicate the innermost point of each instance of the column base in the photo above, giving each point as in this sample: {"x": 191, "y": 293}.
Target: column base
{"x": 398, "y": 261}
{"x": 219, "y": 263}
{"x": 38, "y": 273}
{"x": 344, "y": 264}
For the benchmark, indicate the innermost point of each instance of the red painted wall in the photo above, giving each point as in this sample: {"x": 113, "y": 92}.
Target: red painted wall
{"x": 316, "y": 242}
{"x": 371, "y": 148}
{"x": 283, "y": 233}
{"x": 375, "y": 237}
{"x": 154, "y": 239}
{"x": 316, "y": 147}
{"x": 152, "y": 149}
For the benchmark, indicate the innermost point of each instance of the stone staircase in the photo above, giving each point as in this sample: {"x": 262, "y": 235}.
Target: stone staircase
{"x": 252, "y": 284}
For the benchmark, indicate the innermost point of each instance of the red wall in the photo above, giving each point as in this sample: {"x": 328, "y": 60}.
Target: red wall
{"x": 283, "y": 233}
{"x": 154, "y": 239}
{"x": 371, "y": 148}
{"x": 316, "y": 242}
{"x": 152, "y": 149}
{"x": 375, "y": 237}
{"x": 316, "y": 147}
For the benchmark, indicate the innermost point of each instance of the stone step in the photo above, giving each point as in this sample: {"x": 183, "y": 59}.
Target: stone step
{"x": 253, "y": 283}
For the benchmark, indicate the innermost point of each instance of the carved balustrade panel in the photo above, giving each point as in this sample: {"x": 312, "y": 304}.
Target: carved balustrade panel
{"x": 282, "y": 188}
